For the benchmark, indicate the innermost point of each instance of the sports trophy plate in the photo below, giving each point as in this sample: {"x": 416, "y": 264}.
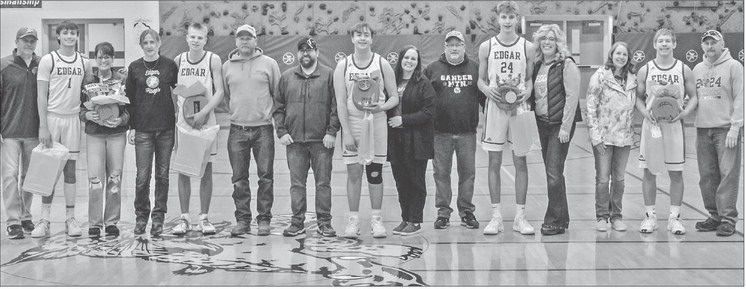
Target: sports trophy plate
{"x": 665, "y": 108}
{"x": 366, "y": 92}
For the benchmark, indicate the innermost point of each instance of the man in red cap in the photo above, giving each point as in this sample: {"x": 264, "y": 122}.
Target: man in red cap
{"x": 19, "y": 128}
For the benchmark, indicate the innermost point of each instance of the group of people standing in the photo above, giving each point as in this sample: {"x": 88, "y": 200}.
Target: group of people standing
{"x": 416, "y": 114}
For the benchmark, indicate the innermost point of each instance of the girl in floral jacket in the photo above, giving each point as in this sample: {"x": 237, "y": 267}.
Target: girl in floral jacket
{"x": 610, "y": 103}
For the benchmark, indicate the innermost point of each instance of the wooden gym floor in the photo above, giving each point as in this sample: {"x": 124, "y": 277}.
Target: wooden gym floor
{"x": 455, "y": 256}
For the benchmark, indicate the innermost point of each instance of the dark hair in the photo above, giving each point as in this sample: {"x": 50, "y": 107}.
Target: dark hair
{"x": 150, "y": 32}
{"x": 628, "y": 68}
{"x": 360, "y": 28}
{"x": 66, "y": 25}
{"x": 398, "y": 71}
{"x": 105, "y": 48}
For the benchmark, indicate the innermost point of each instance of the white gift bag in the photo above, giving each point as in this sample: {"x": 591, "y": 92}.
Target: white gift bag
{"x": 45, "y": 168}
{"x": 193, "y": 151}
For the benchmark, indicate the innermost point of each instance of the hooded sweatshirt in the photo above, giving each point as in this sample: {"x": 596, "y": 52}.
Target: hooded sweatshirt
{"x": 457, "y": 97}
{"x": 720, "y": 92}
{"x": 250, "y": 87}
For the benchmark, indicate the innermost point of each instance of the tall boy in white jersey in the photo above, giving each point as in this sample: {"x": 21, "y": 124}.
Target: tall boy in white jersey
{"x": 506, "y": 58}
{"x": 60, "y": 80}
{"x": 198, "y": 65}
{"x": 664, "y": 69}
{"x": 364, "y": 63}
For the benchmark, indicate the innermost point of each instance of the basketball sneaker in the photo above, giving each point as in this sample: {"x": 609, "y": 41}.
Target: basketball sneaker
{"x": 520, "y": 224}
{"x": 205, "y": 226}
{"x": 41, "y": 229}
{"x": 72, "y": 227}
{"x": 494, "y": 226}
{"x": 618, "y": 225}
{"x": 649, "y": 224}
{"x": 182, "y": 226}
{"x": 376, "y": 227}
{"x": 676, "y": 225}
{"x": 352, "y": 230}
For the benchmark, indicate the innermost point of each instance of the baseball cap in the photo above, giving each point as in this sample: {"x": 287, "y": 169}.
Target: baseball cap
{"x": 456, "y": 34}
{"x": 307, "y": 43}
{"x": 26, "y": 31}
{"x": 246, "y": 28}
{"x": 714, "y": 34}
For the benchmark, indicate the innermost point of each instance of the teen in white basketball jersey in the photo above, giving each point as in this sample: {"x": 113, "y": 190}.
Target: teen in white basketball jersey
{"x": 198, "y": 65}
{"x": 59, "y": 84}
{"x": 363, "y": 62}
{"x": 505, "y": 58}
{"x": 664, "y": 69}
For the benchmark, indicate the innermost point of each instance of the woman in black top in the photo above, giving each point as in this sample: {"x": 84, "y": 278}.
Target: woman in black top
{"x": 150, "y": 80}
{"x": 410, "y": 139}
{"x": 105, "y": 143}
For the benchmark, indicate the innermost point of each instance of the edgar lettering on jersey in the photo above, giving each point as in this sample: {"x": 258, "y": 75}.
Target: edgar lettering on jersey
{"x": 663, "y": 78}
{"x": 507, "y": 55}
{"x": 354, "y": 75}
{"x": 69, "y": 71}
{"x": 152, "y": 81}
{"x": 193, "y": 72}
{"x": 457, "y": 80}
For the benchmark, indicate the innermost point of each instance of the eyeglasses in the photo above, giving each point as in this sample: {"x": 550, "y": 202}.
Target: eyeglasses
{"x": 105, "y": 57}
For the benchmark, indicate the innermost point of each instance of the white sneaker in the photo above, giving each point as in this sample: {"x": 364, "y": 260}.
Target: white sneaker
{"x": 181, "y": 227}
{"x": 72, "y": 227}
{"x": 41, "y": 230}
{"x": 601, "y": 225}
{"x": 520, "y": 224}
{"x": 205, "y": 226}
{"x": 649, "y": 224}
{"x": 676, "y": 225}
{"x": 618, "y": 225}
{"x": 352, "y": 230}
{"x": 495, "y": 226}
{"x": 376, "y": 227}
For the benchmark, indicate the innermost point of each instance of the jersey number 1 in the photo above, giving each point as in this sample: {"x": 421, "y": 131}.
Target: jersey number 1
{"x": 69, "y": 82}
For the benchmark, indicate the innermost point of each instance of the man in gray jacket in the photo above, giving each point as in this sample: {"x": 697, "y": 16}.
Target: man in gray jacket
{"x": 306, "y": 122}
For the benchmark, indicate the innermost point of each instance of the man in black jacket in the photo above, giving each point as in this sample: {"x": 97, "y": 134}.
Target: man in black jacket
{"x": 306, "y": 122}
{"x": 457, "y": 100}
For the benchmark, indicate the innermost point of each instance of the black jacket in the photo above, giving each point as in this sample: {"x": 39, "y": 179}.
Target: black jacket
{"x": 19, "y": 117}
{"x": 415, "y": 136}
{"x": 457, "y": 97}
{"x": 305, "y": 106}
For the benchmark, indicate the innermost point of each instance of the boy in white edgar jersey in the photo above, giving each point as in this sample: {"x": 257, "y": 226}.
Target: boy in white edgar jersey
{"x": 506, "y": 58}
{"x": 59, "y": 84}
{"x": 664, "y": 69}
{"x": 364, "y": 63}
{"x": 198, "y": 65}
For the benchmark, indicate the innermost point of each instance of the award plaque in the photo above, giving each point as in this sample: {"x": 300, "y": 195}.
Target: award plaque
{"x": 365, "y": 93}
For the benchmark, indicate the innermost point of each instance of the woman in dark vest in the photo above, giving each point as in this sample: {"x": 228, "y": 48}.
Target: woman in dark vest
{"x": 555, "y": 101}
{"x": 410, "y": 138}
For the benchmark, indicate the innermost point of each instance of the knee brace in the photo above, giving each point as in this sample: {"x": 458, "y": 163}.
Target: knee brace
{"x": 373, "y": 173}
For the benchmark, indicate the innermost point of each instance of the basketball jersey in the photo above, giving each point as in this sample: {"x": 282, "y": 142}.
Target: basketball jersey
{"x": 673, "y": 75}
{"x": 507, "y": 63}
{"x": 190, "y": 73}
{"x": 65, "y": 82}
{"x": 371, "y": 69}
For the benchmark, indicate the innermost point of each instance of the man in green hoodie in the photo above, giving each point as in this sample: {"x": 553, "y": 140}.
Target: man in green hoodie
{"x": 719, "y": 122}
{"x": 251, "y": 82}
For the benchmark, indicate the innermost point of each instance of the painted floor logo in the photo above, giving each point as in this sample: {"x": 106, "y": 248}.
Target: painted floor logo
{"x": 345, "y": 262}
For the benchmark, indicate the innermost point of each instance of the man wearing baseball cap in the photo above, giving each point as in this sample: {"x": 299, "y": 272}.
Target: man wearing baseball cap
{"x": 306, "y": 122}
{"x": 19, "y": 128}
{"x": 719, "y": 122}
{"x": 250, "y": 79}
{"x": 457, "y": 100}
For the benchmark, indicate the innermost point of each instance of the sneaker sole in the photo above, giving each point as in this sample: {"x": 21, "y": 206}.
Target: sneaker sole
{"x": 289, "y": 234}
{"x": 469, "y": 227}
{"x": 410, "y": 233}
{"x": 379, "y": 236}
{"x": 262, "y": 233}
{"x": 442, "y": 228}
{"x": 524, "y": 233}
{"x": 705, "y": 229}
{"x": 15, "y": 237}
{"x": 326, "y": 235}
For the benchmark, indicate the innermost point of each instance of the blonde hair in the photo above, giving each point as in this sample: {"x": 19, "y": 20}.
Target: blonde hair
{"x": 562, "y": 50}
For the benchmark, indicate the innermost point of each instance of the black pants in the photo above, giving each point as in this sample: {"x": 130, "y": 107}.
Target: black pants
{"x": 409, "y": 174}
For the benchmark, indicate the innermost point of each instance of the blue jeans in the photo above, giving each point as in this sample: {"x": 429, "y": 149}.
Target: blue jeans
{"x": 242, "y": 140}
{"x": 610, "y": 168}
{"x": 554, "y": 154}
{"x": 301, "y": 157}
{"x": 105, "y": 154}
{"x": 147, "y": 144}
{"x": 465, "y": 146}
{"x": 16, "y": 156}
{"x": 719, "y": 172}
